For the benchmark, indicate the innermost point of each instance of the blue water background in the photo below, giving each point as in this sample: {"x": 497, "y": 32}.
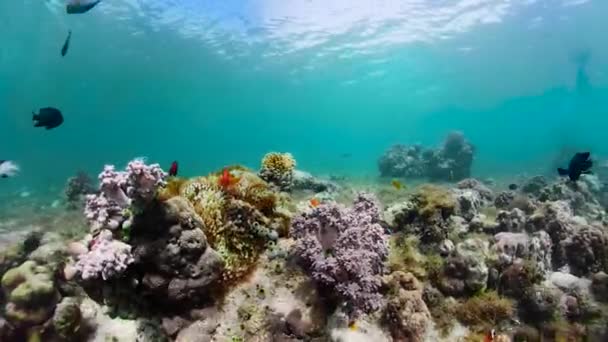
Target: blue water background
{"x": 213, "y": 83}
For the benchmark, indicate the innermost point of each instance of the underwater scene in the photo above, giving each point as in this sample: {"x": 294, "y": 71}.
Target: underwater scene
{"x": 303, "y": 170}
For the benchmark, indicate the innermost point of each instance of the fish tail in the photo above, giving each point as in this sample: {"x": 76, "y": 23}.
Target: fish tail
{"x": 34, "y": 116}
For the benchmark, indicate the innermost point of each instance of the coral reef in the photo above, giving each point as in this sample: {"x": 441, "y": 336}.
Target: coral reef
{"x": 240, "y": 219}
{"x": 122, "y": 193}
{"x": 465, "y": 271}
{"x": 67, "y": 319}
{"x": 450, "y": 162}
{"x": 405, "y": 314}
{"x": 425, "y": 215}
{"x": 105, "y": 259}
{"x": 30, "y": 292}
{"x": 277, "y": 169}
{"x": 174, "y": 263}
{"x": 305, "y": 181}
{"x": 486, "y": 311}
{"x": 76, "y": 188}
{"x": 344, "y": 249}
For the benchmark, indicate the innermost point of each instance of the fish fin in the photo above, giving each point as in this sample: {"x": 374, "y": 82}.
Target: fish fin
{"x": 562, "y": 172}
{"x": 584, "y": 155}
{"x": 587, "y": 164}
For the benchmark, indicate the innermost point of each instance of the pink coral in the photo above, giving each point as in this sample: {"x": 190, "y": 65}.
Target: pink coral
{"x": 107, "y": 258}
{"x": 344, "y": 249}
{"x": 120, "y": 191}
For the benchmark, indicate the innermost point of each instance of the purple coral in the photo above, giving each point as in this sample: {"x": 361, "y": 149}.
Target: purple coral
{"x": 344, "y": 249}
{"x": 119, "y": 191}
{"x": 107, "y": 258}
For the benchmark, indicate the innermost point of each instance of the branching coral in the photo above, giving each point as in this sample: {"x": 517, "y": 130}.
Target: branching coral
{"x": 344, "y": 249}
{"x": 120, "y": 192}
{"x": 277, "y": 169}
{"x": 106, "y": 258}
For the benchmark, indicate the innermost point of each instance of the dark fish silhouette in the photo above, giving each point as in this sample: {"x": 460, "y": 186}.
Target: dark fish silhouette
{"x": 47, "y": 117}
{"x": 579, "y": 164}
{"x": 513, "y": 186}
{"x": 80, "y": 6}
{"x": 66, "y": 44}
{"x": 173, "y": 169}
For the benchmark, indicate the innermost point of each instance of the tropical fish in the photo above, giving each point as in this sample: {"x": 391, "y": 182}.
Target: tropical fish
{"x": 80, "y": 6}
{"x": 173, "y": 169}
{"x": 397, "y": 184}
{"x": 579, "y": 164}
{"x": 8, "y": 169}
{"x": 490, "y": 336}
{"x": 314, "y": 202}
{"x": 353, "y": 326}
{"x": 226, "y": 179}
{"x": 66, "y": 44}
{"x": 512, "y": 186}
{"x": 48, "y": 118}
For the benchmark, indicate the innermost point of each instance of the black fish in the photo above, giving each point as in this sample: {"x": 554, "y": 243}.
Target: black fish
{"x": 513, "y": 186}
{"x": 66, "y": 44}
{"x": 47, "y": 117}
{"x": 579, "y": 164}
{"x": 80, "y": 6}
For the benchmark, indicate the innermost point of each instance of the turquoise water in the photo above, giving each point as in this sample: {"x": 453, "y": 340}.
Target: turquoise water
{"x": 211, "y": 83}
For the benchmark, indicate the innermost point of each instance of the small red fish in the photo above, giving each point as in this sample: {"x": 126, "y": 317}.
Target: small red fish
{"x": 173, "y": 169}
{"x": 225, "y": 179}
{"x": 490, "y": 336}
{"x": 314, "y": 202}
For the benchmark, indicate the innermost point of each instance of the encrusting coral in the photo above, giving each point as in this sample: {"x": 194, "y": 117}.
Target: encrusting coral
{"x": 344, "y": 249}
{"x": 406, "y": 313}
{"x": 486, "y": 311}
{"x": 426, "y": 214}
{"x": 278, "y": 169}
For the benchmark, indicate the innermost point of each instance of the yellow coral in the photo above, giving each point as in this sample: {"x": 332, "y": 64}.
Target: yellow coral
{"x": 239, "y": 220}
{"x": 280, "y": 163}
{"x": 171, "y": 189}
{"x": 433, "y": 200}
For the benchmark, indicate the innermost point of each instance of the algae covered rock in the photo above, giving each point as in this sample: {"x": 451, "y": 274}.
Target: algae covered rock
{"x": 67, "y": 318}
{"x": 465, "y": 270}
{"x": 406, "y": 313}
{"x": 172, "y": 253}
{"x": 30, "y": 292}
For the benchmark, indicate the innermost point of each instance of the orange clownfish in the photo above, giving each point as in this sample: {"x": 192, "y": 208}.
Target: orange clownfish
{"x": 314, "y": 202}
{"x": 490, "y": 336}
{"x": 226, "y": 179}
